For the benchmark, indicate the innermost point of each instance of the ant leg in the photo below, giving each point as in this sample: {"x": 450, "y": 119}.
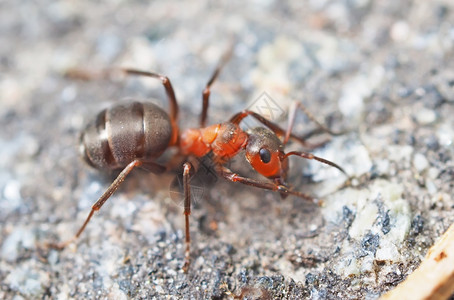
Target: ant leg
{"x": 113, "y": 72}
{"x": 98, "y": 204}
{"x": 153, "y": 167}
{"x": 282, "y": 189}
{"x": 170, "y": 96}
{"x": 206, "y": 91}
{"x": 237, "y": 118}
{"x": 187, "y": 211}
{"x": 291, "y": 120}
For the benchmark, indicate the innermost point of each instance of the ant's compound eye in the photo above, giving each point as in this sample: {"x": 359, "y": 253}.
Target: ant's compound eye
{"x": 265, "y": 155}
{"x": 263, "y": 152}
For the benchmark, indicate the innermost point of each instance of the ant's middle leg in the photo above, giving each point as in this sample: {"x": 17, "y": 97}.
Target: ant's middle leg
{"x": 207, "y": 91}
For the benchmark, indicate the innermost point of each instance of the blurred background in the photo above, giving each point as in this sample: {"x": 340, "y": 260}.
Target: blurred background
{"x": 380, "y": 70}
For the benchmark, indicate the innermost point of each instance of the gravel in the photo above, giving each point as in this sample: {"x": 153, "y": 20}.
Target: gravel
{"x": 377, "y": 71}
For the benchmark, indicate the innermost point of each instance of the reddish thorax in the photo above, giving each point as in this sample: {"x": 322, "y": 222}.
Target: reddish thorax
{"x": 225, "y": 140}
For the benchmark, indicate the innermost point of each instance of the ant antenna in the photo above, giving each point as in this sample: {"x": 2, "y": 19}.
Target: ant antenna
{"x": 311, "y": 156}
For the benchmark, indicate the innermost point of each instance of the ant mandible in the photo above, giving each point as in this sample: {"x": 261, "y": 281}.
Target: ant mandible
{"x": 136, "y": 134}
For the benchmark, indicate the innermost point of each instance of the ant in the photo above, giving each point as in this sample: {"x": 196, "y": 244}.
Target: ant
{"x": 136, "y": 134}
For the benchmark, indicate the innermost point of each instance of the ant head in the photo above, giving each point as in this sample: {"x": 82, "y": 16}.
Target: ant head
{"x": 265, "y": 153}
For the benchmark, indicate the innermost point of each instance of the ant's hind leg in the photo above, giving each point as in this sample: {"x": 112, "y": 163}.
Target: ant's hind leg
{"x": 84, "y": 74}
{"x": 98, "y": 204}
{"x": 187, "y": 211}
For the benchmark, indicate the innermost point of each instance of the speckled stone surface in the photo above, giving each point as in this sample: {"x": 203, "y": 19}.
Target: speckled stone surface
{"x": 379, "y": 70}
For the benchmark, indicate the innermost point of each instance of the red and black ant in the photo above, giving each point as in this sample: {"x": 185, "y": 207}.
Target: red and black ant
{"x": 136, "y": 134}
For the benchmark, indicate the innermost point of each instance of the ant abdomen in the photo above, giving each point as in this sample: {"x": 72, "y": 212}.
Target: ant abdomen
{"x": 123, "y": 133}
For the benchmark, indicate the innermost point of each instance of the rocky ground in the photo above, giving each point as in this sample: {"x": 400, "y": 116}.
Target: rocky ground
{"x": 379, "y": 70}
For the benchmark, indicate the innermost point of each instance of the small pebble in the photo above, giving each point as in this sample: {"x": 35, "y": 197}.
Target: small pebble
{"x": 351, "y": 105}
{"x": 400, "y": 31}
{"x": 11, "y": 192}
{"x": 425, "y": 116}
{"x": 387, "y": 251}
{"x": 30, "y": 146}
{"x": 69, "y": 93}
{"x": 10, "y": 198}
{"x": 26, "y": 281}
{"x": 420, "y": 162}
{"x": 20, "y": 238}
{"x": 431, "y": 187}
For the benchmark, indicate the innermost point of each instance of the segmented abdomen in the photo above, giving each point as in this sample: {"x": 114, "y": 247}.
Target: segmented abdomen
{"x": 123, "y": 133}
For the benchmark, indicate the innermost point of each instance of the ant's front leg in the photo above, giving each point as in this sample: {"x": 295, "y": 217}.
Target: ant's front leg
{"x": 291, "y": 120}
{"x": 237, "y": 118}
{"x": 234, "y": 177}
